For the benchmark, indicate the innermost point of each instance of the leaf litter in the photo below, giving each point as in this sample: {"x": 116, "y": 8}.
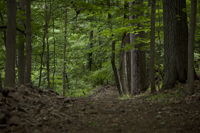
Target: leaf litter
{"x": 28, "y": 109}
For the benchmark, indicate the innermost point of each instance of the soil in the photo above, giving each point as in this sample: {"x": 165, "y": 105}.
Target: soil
{"x": 28, "y": 109}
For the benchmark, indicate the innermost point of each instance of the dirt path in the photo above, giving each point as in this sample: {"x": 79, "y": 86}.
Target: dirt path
{"x": 31, "y": 110}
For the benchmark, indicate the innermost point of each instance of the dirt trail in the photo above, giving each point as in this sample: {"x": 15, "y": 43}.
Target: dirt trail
{"x": 26, "y": 109}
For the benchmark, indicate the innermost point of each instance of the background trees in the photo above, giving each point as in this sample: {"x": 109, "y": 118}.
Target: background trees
{"x": 101, "y": 26}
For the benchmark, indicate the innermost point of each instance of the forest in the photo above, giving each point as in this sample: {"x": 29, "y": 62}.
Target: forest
{"x": 75, "y": 50}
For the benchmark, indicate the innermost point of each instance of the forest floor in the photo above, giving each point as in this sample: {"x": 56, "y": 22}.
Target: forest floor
{"x": 27, "y": 109}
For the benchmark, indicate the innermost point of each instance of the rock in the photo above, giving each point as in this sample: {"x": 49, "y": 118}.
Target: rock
{"x": 14, "y": 120}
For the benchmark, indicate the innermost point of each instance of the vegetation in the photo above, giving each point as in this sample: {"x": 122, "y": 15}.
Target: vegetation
{"x": 84, "y": 31}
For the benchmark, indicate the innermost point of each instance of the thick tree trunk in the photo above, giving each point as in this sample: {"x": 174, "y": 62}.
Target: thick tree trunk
{"x": 175, "y": 42}
{"x": 152, "y": 48}
{"x": 134, "y": 78}
{"x": 190, "y": 84}
{"x": 10, "y": 46}
{"x": 159, "y": 50}
{"x": 128, "y": 64}
{"x": 138, "y": 58}
{"x": 21, "y": 60}
{"x": 28, "y": 41}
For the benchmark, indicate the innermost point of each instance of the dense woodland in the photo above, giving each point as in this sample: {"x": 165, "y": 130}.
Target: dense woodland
{"x": 73, "y": 46}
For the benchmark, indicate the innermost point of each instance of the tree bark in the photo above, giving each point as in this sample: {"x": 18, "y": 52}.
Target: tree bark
{"x": 47, "y": 19}
{"x": 64, "y": 52}
{"x": 121, "y": 66}
{"x": 10, "y": 46}
{"x": 128, "y": 64}
{"x": 152, "y": 48}
{"x": 138, "y": 57}
{"x": 48, "y": 70}
{"x": 190, "y": 84}
{"x": 90, "y": 53}
{"x": 54, "y": 52}
{"x": 159, "y": 50}
{"x": 28, "y": 41}
{"x": 21, "y": 60}
{"x": 116, "y": 77}
{"x": 175, "y": 42}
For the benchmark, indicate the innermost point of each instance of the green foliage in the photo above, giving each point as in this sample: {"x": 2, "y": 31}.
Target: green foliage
{"x": 125, "y": 97}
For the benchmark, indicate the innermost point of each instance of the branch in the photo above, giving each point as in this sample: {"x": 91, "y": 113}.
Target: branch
{"x": 5, "y": 27}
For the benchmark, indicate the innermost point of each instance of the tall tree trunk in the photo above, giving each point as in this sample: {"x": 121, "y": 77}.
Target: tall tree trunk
{"x": 127, "y": 54}
{"x": 121, "y": 66}
{"x": 128, "y": 64}
{"x": 54, "y": 52}
{"x": 28, "y": 41}
{"x": 116, "y": 77}
{"x": 134, "y": 78}
{"x": 64, "y": 52}
{"x": 100, "y": 63}
{"x": 48, "y": 70}
{"x": 90, "y": 53}
{"x": 47, "y": 19}
{"x": 159, "y": 50}
{"x": 152, "y": 48}
{"x": 21, "y": 65}
{"x": 176, "y": 42}
{"x": 10, "y": 46}
{"x": 190, "y": 84}
{"x": 138, "y": 56}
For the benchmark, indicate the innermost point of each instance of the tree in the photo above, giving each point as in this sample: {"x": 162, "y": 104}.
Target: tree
{"x": 64, "y": 53}
{"x": 90, "y": 53}
{"x": 21, "y": 59}
{"x": 190, "y": 76}
{"x": 10, "y": 46}
{"x": 47, "y": 20}
{"x": 116, "y": 76}
{"x": 152, "y": 47}
{"x": 175, "y": 42}
{"x": 28, "y": 41}
{"x": 138, "y": 55}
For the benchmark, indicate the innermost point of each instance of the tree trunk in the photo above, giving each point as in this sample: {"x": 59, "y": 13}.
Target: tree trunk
{"x": 128, "y": 64}
{"x": 28, "y": 41}
{"x": 138, "y": 57}
{"x": 21, "y": 65}
{"x": 64, "y": 52}
{"x": 190, "y": 84}
{"x": 175, "y": 42}
{"x": 54, "y": 52}
{"x": 159, "y": 50}
{"x": 116, "y": 77}
{"x": 47, "y": 19}
{"x": 152, "y": 48}
{"x": 90, "y": 53}
{"x": 10, "y": 46}
{"x": 115, "y": 69}
{"x": 48, "y": 70}
{"x": 134, "y": 78}
{"x": 121, "y": 66}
